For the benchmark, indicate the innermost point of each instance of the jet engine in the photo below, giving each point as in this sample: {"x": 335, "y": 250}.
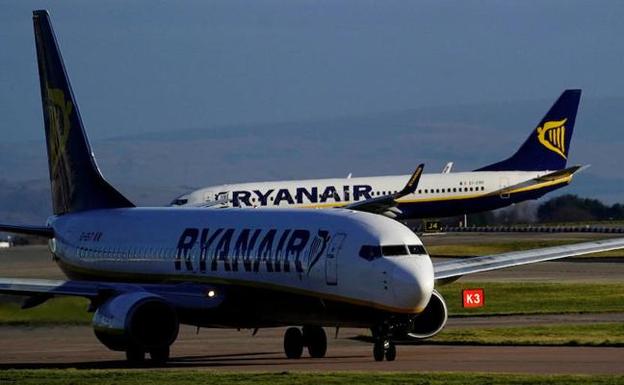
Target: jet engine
{"x": 136, "y": 320}
{"x": 432, "y": 320}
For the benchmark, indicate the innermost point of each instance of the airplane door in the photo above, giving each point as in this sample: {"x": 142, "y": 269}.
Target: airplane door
{"x": 504, "y": 182}
{"x": 331, "y": 259}
{"x": 224, "y": 198}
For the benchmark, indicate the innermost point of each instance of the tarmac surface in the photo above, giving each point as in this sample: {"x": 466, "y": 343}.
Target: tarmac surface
{"x": 77, "y": 347}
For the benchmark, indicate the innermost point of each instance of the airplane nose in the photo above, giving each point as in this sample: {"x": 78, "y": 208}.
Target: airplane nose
{"x": 412, "y": 282}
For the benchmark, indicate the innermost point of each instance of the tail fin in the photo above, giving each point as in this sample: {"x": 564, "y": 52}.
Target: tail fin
{"x": 76, "y": 181}
{"x": 547, "y": 147}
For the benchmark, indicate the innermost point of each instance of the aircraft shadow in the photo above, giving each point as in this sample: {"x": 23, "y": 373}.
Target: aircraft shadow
{"x": 265, "y": 359}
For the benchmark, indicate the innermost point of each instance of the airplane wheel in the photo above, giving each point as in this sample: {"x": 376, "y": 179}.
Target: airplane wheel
{"x": 378, "y": 351}
{"x": 293, "y": 343}
{"x": 160, "y": 355}
{"x": 316, "y": 341}
{"x": 135, "y": 356}
{"x": 391, "y": 352}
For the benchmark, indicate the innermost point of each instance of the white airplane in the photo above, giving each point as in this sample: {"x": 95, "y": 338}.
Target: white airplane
{"x": 538, "y": 167}
{"x": 148, "y": 270}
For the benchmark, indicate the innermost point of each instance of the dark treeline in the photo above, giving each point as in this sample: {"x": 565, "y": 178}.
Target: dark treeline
{"x": 571, "y": 208}
{"x": 565, "y": 208}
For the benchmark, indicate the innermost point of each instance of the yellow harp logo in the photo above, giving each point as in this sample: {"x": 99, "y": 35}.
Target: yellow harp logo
{"x": 552, "y": 136}
{"x": 59, "y": 113}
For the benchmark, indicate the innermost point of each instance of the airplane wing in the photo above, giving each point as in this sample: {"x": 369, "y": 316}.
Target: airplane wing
{"x": 555, "y": 176}
{"x": 449, "y": 271}
{"x": 386, "y": 205}
{"x": 40, "y": 290}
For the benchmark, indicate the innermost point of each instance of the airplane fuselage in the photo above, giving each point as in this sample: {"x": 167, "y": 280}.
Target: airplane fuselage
{"x": 275, "y": 267}
{"x": 438, "y": 195}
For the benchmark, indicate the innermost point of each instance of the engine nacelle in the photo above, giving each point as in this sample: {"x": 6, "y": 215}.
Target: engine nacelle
{"x": 432, "y": 320}
{"x": 138, "y": 320}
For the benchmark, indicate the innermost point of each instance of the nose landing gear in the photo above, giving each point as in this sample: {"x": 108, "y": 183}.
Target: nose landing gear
{"x": 312, "y": 337}
{"x": 383, "y": 346}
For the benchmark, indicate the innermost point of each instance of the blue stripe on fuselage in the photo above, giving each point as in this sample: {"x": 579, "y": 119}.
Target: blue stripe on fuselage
{"x": 452, "y": 207}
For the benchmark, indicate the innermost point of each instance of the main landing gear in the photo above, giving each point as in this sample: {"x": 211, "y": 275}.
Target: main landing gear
{"x": 312, "y": 337}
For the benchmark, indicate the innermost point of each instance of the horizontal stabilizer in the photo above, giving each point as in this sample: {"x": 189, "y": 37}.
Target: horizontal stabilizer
{"x": 560, "y": 176}
{"x": 566, "y": 172}
{"x": 46, "y": 232}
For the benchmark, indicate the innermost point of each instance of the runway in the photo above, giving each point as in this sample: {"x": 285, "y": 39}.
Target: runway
{"x": 76, "y": 347}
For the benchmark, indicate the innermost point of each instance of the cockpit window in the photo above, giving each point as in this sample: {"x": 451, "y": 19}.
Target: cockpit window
{"x": 417, "y": 250}
{"x": 393, "y": 250}
{"x": 370, "y": 252}
{"x": 179, "y": 202}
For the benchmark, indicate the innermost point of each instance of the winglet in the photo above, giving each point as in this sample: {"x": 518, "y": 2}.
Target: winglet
{"x": 412, "y": 184}
{"x": 386, "y": 205}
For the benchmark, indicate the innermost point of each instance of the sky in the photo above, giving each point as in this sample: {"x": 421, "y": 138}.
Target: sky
{"x": 151, "y": 66}
{"x": 259, "y": 89}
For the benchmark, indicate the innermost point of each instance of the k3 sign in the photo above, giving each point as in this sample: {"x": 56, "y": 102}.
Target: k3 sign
{"x": 473, "y": 298}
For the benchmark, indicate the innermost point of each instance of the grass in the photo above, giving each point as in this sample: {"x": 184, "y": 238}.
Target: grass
{"x": 537, "y": 298}
{"x": 500, "y": 299}
{"x": 65, "y": 310}
{"x": 600, "y": 334}
{"x": 173, "y": 377}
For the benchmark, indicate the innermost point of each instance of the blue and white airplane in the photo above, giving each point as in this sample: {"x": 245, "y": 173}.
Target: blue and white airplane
{"x": 148, "y": 270}
{"x": 538, "y": 167}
